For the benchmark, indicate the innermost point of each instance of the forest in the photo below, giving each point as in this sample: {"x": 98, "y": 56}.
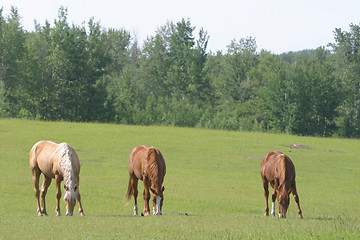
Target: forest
{"x": 63, "y": 72}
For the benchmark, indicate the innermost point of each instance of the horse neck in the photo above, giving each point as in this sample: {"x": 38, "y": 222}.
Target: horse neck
{"x": 65, "y": 157}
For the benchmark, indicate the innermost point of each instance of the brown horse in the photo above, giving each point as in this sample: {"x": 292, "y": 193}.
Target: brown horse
{"x": 278, "y": 170}
{"x": 147, "y": 164}
{"x": 61, "y": 162}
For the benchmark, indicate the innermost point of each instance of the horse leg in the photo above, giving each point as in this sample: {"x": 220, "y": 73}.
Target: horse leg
{"x": 154, "y": 204}
{"x": 296, "y": 197}
{"x": 273, "y": 198}
{"x": 44, "y": 188}
{"x": 146, "y": 197}
{"x": 81, "y": 210}
{"x": 58, "y": 194}
{"x": 266, "y": 193}
{"x": 36, "y": 175}
{"x": 134, "y": 181}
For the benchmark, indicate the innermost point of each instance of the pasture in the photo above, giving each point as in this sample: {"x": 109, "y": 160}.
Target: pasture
{"x": 213, "y": 187}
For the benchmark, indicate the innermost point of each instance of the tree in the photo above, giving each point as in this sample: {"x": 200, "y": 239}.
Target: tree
{"x": 117, "y": 43}
{"x": 240, "y": 58}
{"x": 155, "y": 62}
{"x": 12, "y": 38}
{"x": 92, "y": 74}
{"x": 76, "y": 62}
{"x": 187, "y": 58}
{"x": 302, "y": 98}
{"x": 347, "y": 62}
{"x": 325, "y": 96}
{"x": 37, "y": 89}
{"x": 276, "y": 96}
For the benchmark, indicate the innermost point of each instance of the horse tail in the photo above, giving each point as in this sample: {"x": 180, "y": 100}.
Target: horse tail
{"x": 32, "y": 153}
{"x": 129, "y": 191}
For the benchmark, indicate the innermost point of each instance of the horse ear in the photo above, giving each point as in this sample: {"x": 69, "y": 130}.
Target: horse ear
{"x": 153, "y": 191}
{"x": 163, "y": 189}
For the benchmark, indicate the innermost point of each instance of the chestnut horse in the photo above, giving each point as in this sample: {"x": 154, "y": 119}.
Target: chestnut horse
{"x": 147, "y": 164}
{"x": 61, "y": 162}
{"x": 278, "y": 170}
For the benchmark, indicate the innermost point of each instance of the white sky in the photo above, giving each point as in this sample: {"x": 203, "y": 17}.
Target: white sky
{"x": 277, "y": 25}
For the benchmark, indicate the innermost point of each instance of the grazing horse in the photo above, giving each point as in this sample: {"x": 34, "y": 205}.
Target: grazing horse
{"x": 147, "y": 164}
{"x": 61, "y": 162}
{"x": 278, "y": 170}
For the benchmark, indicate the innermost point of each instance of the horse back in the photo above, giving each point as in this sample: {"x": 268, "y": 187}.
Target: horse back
{"x": 268, "y": 165}
{"x": 136, "y": 161}
{"x": 44, "y": 155}
{"x": 41, "y": 157}
{"x": 143, "y": 159}
{"x": 276, "y": 165}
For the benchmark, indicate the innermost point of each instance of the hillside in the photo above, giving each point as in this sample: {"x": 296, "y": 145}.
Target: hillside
{"x": 212, "y": 186}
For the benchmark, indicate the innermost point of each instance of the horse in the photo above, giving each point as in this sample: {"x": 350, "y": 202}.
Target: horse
{"x": 61, "y": 162}
{"x": 147, "y": 164}
{"x": 278, "y": 170}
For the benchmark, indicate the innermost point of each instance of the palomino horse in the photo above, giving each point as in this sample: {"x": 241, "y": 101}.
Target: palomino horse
{"x": 147, "y": 164}
{"x": 278, "y": 170}
{"x": 61, "y": 162}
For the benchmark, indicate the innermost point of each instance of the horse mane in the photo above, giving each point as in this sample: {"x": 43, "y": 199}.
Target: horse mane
{"x": 66, "y": 165}
{"x": 282, "y": 168}
{"x": 152, "y": 164}
{"x": 282, "y": 175}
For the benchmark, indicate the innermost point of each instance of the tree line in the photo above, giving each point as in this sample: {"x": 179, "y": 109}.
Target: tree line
{"x": 88, "y": 73}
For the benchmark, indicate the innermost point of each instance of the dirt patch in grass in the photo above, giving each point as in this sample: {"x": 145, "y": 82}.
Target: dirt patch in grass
{"x": 252, "y": 157}
{"x": 298, "y": 146}
{"x": 334, "y": 151}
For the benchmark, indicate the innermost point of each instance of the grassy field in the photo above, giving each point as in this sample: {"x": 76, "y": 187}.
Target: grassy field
{"x": 213, "y": 187}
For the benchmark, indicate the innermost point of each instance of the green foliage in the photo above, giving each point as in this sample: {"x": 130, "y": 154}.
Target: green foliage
{"x": 212, "y": 186}
{"x": 302, "y": 98}
{"x": 12, "y": 39}
{"x": 3, "y": 106}
{"x": 234, "y": 83}
{"x": 347, "y": 63}
{"x": 292, "y": 57}
{"x": 88, "y": 73}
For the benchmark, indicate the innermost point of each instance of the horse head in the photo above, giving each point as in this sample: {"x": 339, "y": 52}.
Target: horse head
{"x": 284, "y": 200}
{"x": 158, "y": 199}
{"x": 70, "y": 199}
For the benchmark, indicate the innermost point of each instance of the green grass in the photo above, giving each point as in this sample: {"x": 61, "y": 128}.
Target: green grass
{"x": 213, "y": 187}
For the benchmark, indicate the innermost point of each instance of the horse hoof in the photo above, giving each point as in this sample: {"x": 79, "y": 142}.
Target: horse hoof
{"x": 82, "y": 214}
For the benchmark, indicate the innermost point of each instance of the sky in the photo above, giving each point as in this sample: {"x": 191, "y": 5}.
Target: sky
{"x": 277, "y": 25}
